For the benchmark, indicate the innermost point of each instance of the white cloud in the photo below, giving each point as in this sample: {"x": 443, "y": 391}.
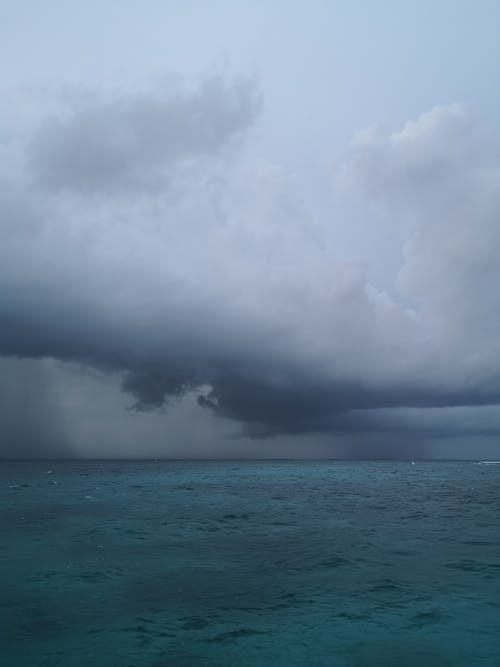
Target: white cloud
{"x": 436, "y": 176}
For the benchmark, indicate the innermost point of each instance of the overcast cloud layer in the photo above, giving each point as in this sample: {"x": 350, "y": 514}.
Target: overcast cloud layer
{"x": 249, "y": 229}
{"x": 141, "y": 238}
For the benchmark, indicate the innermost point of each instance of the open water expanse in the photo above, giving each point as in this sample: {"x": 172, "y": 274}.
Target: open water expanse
{"x": 157, "y": 564}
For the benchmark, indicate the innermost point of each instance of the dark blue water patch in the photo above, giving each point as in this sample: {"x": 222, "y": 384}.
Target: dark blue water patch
{"x": 158, "y": 564}
{"x": 236, "y": 634}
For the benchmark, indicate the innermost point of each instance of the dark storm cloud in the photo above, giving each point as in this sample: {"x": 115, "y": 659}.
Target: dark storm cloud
{"x": 137, "y": 240}
{"x": 303, "y": 406}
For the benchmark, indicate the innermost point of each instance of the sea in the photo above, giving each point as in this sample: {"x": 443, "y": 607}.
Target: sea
{"x": 282, "y": 563}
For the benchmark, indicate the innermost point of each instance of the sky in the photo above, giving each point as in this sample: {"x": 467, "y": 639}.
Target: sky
{"x": 249, "y": 229}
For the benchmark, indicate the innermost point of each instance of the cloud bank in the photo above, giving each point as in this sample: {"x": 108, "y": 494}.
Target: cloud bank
{"x": 140, "y": 237}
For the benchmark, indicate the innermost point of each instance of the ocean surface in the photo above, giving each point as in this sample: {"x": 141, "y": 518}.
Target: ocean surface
{"x": 157, "y": 564}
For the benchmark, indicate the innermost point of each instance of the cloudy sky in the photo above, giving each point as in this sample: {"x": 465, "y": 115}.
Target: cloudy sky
{"x": 250, "y": 229}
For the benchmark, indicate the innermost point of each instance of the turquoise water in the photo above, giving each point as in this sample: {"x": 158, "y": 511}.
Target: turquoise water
{"x": 292, "y": 563}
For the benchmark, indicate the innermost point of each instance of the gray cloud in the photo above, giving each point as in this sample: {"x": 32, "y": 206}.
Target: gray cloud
{"x": 138, "y": 239}
{"x": 131, "y": 142}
